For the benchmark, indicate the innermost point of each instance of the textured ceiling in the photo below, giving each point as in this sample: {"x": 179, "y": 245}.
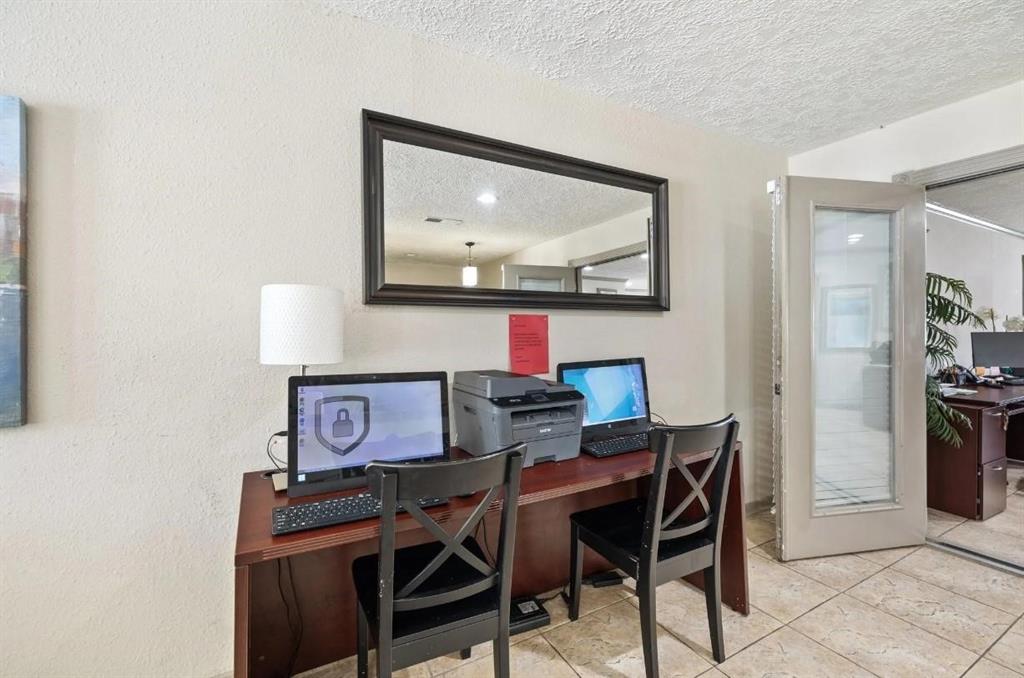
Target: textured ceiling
{"x": 530, "y": 207}
{"x": 998, "y": 198}
{"x": 795, "y": 74}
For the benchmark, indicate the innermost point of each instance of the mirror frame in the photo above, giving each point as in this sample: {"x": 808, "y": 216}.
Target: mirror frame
{"x": 378, "y": 127}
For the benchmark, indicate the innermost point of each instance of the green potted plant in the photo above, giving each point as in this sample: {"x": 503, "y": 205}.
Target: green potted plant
{"x": 948, "y": 303}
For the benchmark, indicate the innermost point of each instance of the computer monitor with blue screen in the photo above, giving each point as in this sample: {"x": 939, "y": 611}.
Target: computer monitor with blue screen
{"x": 337, "y": 424}
{"x": 615, "y": 393}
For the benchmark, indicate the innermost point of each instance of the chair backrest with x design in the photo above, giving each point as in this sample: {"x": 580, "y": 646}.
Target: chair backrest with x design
{"x": 677, "y": 448}
{"x": 402, "y": 484}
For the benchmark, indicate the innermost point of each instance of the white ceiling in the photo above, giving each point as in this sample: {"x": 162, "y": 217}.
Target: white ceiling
{"x": 796, "y": 74}
{"x": 531, "y": 206}
{"x": 627, "y": 268}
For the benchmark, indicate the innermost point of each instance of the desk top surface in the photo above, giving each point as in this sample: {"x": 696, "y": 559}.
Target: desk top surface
{"x": 538, "y": 483}
{"x": 988, "y": 396}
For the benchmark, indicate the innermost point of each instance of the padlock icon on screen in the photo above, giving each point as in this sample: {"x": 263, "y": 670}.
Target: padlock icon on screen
{"x": 342, "y": 427}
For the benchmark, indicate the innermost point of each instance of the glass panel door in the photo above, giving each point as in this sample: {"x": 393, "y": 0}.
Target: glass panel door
{"x": 853, "y": 437}
{"x": 849, "y": 405}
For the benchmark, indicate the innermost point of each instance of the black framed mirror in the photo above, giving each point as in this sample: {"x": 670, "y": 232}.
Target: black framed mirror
{"x": 457, "y": 219}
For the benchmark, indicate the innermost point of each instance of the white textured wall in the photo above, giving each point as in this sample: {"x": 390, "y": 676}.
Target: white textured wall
{"x": 981, "y": 124}
{"x": 182, "y": 155}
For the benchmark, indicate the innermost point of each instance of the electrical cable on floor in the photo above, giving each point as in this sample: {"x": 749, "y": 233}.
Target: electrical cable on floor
{"x": 563, "y": 592}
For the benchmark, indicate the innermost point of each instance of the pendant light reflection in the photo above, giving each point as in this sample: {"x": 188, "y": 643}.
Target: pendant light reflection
{"x": 469, "y": 271}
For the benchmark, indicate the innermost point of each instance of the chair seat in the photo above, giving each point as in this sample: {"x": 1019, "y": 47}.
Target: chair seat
{"x": 620, "y": 526}
{"x": 454, "y": 573}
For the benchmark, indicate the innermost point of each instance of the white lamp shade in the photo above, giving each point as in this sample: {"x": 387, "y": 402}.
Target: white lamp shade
{"x": 469, "y": 277}
{"x": 301, "y": 325}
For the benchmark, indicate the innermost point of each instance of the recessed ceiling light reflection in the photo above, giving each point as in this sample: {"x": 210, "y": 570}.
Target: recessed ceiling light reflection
{"x": 486, "y": 199}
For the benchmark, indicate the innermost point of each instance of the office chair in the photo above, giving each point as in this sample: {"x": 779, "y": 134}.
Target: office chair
{"x": 654, "y": 545}
{"x": 425, "y": 601}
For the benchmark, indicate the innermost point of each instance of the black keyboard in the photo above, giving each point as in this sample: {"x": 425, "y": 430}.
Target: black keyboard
{"x": 335, "y": 511}
{"x": 609, "y": 447}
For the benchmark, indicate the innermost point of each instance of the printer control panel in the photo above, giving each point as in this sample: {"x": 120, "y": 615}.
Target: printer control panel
{"x": 537, "y": 398}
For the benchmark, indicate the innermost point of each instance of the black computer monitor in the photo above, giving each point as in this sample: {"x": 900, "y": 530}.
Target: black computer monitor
{"x": 339, "y": 423}
{"x": 615, "y": 393}
{"x": 999, "y": 349}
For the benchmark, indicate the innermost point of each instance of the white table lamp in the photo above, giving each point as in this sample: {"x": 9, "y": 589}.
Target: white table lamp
{"x": 301, "y": 325}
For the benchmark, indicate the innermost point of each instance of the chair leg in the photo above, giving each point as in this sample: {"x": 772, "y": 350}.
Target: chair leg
{"x": 575, "y": 571}
{"x": 362, "y": 643}
{"x": 383, "y": 656}
{"x": 648, "y": 625}
{"x": 466, "y": 653}
{"x": 501, "y": 656}
{"x": 713, "y": 599}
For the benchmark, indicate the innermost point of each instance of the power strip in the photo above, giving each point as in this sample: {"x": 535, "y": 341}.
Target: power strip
{"x": 528, "y": 613}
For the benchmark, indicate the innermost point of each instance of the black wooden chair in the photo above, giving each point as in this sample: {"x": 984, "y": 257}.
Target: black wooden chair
{"x": 425, "y": 601}
{"x": 654, "y": 545}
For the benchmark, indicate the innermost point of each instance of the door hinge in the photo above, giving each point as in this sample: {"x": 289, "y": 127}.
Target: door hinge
{"x": 778, "y": 389}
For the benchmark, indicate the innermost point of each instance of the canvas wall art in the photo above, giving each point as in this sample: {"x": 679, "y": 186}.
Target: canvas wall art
{"x": 12, "y": 261}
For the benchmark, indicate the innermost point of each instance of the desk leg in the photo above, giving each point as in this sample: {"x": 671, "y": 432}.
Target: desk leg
{"x": 735, "y": 587}
{"x": 735, "y": 591}
{"x": 242, "y": 620}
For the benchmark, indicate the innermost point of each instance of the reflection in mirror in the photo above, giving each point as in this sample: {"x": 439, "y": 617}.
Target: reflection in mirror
{"x": 459, "y": 221}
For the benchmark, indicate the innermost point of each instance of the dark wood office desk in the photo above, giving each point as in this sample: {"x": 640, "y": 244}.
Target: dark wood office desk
{"x": 970, "y": 481}
{"x": 320, "y": 560}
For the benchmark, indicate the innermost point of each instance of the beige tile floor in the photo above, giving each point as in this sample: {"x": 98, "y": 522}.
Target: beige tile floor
{"x": 897, "y": 613}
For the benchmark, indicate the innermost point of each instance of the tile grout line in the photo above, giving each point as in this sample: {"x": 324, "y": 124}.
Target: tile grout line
{"x": 904, "y": 572}
{"x": 524, "y": 640}
{"x": 980, "y": 655}
{"x": 948, "y": 590}
{"x": 789, "y": 626}
{"x": 844, "y": 592}
{"x": 559, "y": 653}
{"x": 941, "y": 588}
{"x": 829, "y": 649}
{"x": 985, "y": 653}
{"x": 908, "y": 574}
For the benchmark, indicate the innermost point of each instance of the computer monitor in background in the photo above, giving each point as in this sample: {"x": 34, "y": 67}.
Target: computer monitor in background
{"x": 615, "y": 392}
{"x": 999, "y": 349}
{"x": 337, "y": 424}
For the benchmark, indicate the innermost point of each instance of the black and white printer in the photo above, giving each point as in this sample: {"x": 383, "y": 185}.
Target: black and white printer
{"x": 494, "y": 409}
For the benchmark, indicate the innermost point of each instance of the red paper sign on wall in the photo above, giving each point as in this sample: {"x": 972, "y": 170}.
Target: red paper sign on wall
{"x": 528, "y": 344}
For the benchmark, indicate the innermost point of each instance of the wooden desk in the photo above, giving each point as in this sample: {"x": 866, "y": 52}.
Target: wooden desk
{"x": 970, "y": 481}
{"x": 321, "y": 559}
